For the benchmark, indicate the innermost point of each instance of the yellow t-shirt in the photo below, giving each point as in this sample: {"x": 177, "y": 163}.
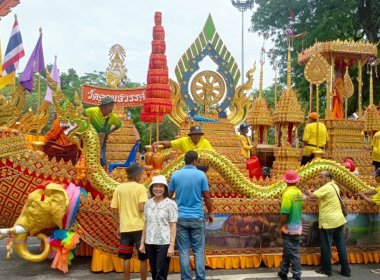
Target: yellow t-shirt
{"x": 376, "y": 147}
{"x": 330, "y": 211}
{"x": 185, "y": 144}
{"x": 98, "y": 120}
{"x": 376, "y": 198}
{"x": 310, "y": 136}
{"x": 126, "y": 198}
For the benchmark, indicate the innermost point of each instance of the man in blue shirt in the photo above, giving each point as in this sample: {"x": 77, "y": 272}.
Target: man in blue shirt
{"x": 190, "y": 185}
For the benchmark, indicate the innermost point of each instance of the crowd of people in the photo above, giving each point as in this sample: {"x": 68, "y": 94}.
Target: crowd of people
{"x": 154, "y": 225}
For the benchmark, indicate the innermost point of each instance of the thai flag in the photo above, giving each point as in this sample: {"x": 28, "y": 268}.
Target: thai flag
{"x": 14, "y": 52}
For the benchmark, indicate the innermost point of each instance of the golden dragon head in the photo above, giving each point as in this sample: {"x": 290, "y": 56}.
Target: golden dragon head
{"x": 70, "y": 118}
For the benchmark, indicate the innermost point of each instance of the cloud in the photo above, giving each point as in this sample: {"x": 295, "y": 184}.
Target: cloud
{"x": 81, "y": 32}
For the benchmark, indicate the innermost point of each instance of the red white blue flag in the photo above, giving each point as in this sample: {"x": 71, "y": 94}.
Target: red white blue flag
{"x": 14, "y": 52}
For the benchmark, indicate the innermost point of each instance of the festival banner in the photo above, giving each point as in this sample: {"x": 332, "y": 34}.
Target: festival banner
{"x": 127, "y": 97}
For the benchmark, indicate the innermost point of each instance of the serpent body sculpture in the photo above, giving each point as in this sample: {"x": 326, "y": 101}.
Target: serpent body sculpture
{"x": 76, "y": 125}
{"x": 243, "y": 186}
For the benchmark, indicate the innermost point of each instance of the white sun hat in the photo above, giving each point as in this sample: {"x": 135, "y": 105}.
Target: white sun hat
{"x": 160, "y": 179}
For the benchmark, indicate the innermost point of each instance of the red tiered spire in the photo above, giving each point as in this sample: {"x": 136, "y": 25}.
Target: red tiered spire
{"x": 157, "y": 91}
{"x": 150, "y": 117}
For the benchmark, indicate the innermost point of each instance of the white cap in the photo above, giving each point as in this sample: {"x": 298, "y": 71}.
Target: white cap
{"x": 160, "y": 179}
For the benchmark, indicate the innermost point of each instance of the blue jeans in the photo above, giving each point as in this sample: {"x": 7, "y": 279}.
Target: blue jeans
{"x": 336, "y": 234}
{"x": 103, "y": 161}
{"x": 191, "y": 231}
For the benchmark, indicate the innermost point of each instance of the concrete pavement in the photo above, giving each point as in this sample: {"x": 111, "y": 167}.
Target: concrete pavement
{"x": 18, "y": 269}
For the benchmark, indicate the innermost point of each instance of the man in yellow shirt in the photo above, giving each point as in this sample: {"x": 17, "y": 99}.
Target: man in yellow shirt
{"x": 185, "y": 144}
{"x": 373, "y": 201}
{"x": 245, "y": 142}
{"x": 331, "y": 224}
{"x": 310, "y": 138}
{"x": 98, "y": 118}
{"x": 376, "y": 150}
{"x": 127, "y": 206}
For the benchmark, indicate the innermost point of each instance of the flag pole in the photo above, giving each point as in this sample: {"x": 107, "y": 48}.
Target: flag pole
{"x": 14, "y": 77}
{"x": 39, "y": 97}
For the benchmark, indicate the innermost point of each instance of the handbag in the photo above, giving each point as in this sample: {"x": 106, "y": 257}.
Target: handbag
{"x": 342, "y": 206}
{"x": 102, "y": 134}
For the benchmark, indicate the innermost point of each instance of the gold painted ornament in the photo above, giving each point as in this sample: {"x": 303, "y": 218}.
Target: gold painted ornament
{"x": 116, "y": 71}
{"x": 207, "y": 89}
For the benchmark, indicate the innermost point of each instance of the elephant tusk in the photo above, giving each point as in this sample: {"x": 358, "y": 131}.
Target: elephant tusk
{"x": 19, "y": 242}
{"x": 12, "y": 231}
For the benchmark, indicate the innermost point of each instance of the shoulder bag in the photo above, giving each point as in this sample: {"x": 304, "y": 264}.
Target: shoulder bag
{"x": 342, "y": 206}
{"x": 102, "y": 134}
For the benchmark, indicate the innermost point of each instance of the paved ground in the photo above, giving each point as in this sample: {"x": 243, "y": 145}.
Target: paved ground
{"x": 18, "y": 269}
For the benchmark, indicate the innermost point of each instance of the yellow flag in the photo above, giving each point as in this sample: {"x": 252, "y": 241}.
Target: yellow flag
{"x": 1, "y": 59}
{"x": 8, "y": 79}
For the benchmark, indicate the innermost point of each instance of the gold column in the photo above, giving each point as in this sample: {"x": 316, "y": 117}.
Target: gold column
{"x": 261, "y": 80}
{"x": 289, "y": 79}
{"x": 150, "y": 135}
{"x": 318, "y": 152}
{"x": 275, "y": 135}
{"x": 311, "y": 97}
{"x": 360, "y": 81}
{"x": 284, "y": 135}
{"x": 370, "y": 88}
{"x": 275, "y": 87}
{"x": 266, "y": 136}
{"x": 158, "y": 126}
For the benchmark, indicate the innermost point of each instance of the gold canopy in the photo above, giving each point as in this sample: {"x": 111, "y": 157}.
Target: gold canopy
{"x": 347, "y": 49}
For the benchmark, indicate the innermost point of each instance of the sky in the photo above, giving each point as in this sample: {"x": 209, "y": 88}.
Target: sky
{"x": 81, "y": 33}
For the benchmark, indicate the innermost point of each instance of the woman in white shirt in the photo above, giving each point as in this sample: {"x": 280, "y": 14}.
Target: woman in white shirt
{"x": 158, "y": 237}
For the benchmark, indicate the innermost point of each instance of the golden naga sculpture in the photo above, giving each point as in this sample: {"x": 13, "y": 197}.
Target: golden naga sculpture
{"x": 30, "y": 122}
{"x": 178, "y": 114}
{"x": 243, "y": 186}
{"x": 241, "y": 104}
{"x": 11, "y": 111}
{"x": 78, "y": 129}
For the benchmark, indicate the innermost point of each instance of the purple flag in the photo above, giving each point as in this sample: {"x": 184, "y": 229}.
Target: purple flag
{"x": 55, "y": 77}
{"x": 35, "y": 64}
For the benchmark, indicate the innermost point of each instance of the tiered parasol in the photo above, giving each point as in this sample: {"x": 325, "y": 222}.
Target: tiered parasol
{"x": 157, "y": 93}
{"x": 259, "y": 117}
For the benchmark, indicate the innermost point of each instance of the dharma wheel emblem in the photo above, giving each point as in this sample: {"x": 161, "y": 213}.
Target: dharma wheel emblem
{"x": 207, "y": 88}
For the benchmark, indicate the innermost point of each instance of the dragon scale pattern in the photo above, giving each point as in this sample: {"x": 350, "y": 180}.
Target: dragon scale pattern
{"x": 244, "y": 186}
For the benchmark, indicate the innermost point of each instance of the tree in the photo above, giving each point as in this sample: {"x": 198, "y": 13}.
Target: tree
{"x": 324, "y": 20}
{"x": 168, "y": 130}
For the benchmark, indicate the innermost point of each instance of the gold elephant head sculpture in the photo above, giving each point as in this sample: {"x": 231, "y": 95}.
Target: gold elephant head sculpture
{"x": 45, "y": 208}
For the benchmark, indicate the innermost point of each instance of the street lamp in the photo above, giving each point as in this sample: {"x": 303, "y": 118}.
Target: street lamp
{"x": 242, "y": 6}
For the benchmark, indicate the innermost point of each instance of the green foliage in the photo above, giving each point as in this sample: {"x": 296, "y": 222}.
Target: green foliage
{"x": 167, "y": 130}
{"x": 324, "y": 20}
{"x": 71, "y": 82}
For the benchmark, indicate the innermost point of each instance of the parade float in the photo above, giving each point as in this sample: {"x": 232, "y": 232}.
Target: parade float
{"x": 39, "y": 195}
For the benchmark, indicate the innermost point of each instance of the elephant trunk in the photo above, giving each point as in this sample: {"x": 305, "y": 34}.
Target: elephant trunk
{"x": 20, "y": 241}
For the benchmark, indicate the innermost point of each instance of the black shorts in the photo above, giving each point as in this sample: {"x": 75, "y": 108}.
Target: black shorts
{"x": 127, "y": 242}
